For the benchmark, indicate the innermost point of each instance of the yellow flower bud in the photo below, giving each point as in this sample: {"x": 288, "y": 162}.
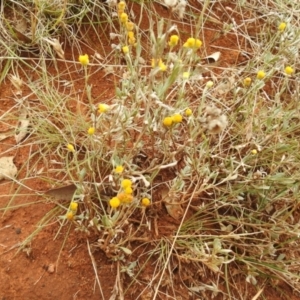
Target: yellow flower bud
{"x": 145, "y": 202}
{"x": 261, "y": 74}
{"x": 281, "y": 27}
{"x": 126, "y": 183}
{"x": 119, "y": 169}
{"x": 102, "y": 108}
{"x": 123, "y": 18}
{"x": 121, "y": 5}
{"x": 289, "y": 70}
{"x": 130, "y": 26}
{"x": 128, "y": 190}
{"x": 71, "y": 148}
{"x": 173, "y": 40}
{"x": 188, "y": 112}
{"x": 74, "y": 206}
{"x": 125, "y": 49}
{"x": 168, "y": 121}
{"x": 114, "y": 202}
{"x": 84, "y": 59}
{"x": 162, "y": 66}
{"x": 70, "y": 216}
{"x": 91, "y": 130}
{"x": 186, "y": 75}
{"x": 247, "y": 81}
{"x": 177, "y": 118}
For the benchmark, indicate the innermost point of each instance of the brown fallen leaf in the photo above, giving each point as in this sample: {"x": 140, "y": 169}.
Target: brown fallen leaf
{"x": 171, "y": 203}
{"x": 8, "y": 170}
{"x": 63, "y": 193}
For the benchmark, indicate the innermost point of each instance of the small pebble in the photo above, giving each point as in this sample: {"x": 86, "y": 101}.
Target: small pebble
{"x": 18, "y": 230}
{"x": 51, "y": 268}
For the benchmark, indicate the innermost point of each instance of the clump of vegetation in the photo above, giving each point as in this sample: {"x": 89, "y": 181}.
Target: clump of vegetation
{"x": 185, "y": 139}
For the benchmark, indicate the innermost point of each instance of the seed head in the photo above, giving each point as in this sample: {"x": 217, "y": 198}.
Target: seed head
{"x": 125, "y": 198}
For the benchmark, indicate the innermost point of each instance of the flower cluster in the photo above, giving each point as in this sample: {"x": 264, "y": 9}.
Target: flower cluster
{"x": 72, "y": 211}
{"x": 192, "y": 43}
{"x": 125, "y": 196}
{"x": 174, "y": 119}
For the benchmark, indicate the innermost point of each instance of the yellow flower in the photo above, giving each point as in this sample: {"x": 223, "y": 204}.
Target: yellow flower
{"x": 247, "y": 81}
{"x": 192, "y": 43}
{"x": 125, "y": 198}
{"x": 91, "y": 130}
{"x": 281, "y": 26}
{"x": 130, "y": 26}
{"x": 162, "y": 66}
{"x": 130, "y": 34}
{"x": 125, "y": 49}
{"x": 186, "y": 75}
{"x": 121, "y": 5}
{"x": 188, "y": 112}
{"x": 261, "y": 74}
{"x": 84, "y": 59}
{"x": 177, "y": 118}
{"x": 154, "y": 62}
{"x": 123, "y": 18}
{"x": 209, "y": 84}
{"x": 289, "y": 70}
{"x": 132, "y": 41}
{"x": 173, "y": 40}
{"x": 145, "y": 202}
{"x": 71, "y": 148}
{"x": 74, "y": 206}
{"x": 114, "y": 202}
{"x": 168, "y": 121}
{"x": 128, "y": 190}
{"x": 119, "y": 169}
{"x": 102, "y": 108}
{"x": 70, "y": 216}
{"x": 126, "y": 183}
{"x": 254, "y": 151}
